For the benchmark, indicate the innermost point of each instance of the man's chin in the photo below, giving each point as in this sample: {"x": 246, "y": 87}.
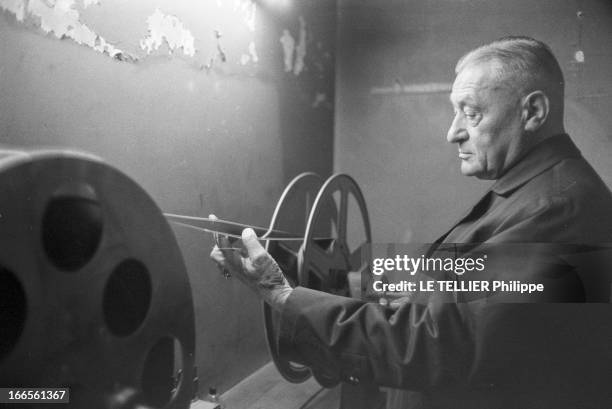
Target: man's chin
{"x": 477, "y": 173}
{"x": 467, "y": 170}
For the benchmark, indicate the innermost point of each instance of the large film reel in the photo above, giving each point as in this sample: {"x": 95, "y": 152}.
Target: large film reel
{"x": 95, "y": 293}
{"x": 337, "y": 228}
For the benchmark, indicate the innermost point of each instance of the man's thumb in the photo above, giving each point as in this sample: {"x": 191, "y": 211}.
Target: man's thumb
{"x": 253, "y": 246}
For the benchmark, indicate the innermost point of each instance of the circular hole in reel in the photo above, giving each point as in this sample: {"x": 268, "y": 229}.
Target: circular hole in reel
{"x": 13, "y": 310}
{"x": 162, "y": 374}
{"x": 72, "y": 227}
{"x": 127, "y": 297}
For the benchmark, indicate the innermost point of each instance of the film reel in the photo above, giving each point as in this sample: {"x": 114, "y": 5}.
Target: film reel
{"x": 328, "y": 264}
{"x": 89, "y": 303}
{"x": 325, "y": 263}
{"x": 291, "y": 213}
{"x": 337, "y": 228}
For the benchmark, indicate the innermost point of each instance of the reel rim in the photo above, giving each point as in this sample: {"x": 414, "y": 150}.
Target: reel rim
{"x": 290, "y": 371}
{"x": 347, "y": 186}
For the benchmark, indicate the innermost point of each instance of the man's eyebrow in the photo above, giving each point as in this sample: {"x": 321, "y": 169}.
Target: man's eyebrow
{"x": 462, "y": 100}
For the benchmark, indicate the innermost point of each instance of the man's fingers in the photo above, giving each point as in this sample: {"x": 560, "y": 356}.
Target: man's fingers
{"x": 215, "y": 235}
{"x": 219, "y": 258}
{"x": 252, "y": 245}
{"x": 225, "y": 259}
{"x": 217, "y": 255}
{"x": 223, "y": 242}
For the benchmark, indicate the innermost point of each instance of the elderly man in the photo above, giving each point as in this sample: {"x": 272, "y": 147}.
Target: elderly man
{"x": 480, "y": 353}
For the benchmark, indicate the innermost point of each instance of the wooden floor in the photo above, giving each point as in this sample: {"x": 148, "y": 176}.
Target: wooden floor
{"x": 266, "y": 389}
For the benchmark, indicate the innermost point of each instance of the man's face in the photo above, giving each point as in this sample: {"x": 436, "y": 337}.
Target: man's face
{"x": 487, "y": 126}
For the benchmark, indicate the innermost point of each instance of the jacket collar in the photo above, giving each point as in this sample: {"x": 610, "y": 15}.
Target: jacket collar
{"x": 542, "y": 157}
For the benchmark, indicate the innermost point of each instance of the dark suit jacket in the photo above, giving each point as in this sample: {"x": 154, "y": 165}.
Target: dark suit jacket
{"x": 486, "y": 352}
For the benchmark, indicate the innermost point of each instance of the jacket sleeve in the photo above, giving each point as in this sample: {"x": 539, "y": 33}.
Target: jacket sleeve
{"x": 350, "y": 340}
{"x": 447, "y": 346}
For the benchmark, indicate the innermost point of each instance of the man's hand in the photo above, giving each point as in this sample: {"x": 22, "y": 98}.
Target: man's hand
{"x": 254, "y": 266}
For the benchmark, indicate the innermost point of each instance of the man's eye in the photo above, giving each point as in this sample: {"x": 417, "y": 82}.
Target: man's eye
{"x": 472, "y": 116}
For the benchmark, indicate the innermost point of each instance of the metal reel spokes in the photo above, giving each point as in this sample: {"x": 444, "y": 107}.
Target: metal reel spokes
{"x": 291, "y": 214}
{"x": 337, "y": 230}
{"x": 331, "y": 255}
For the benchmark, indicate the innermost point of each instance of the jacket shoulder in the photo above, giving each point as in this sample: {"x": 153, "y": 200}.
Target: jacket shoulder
{"x": 568, "y": 202}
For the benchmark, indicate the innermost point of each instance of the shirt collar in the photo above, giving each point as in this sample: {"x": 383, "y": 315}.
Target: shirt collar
{"x": 543, "y": 156}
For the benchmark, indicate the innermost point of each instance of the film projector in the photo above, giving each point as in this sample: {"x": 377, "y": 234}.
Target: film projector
{"x": 95, "y": 293}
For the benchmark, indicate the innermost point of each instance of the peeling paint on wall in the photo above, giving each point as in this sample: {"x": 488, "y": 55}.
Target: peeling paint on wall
{"x": 220, "y": 55}
{"x": 62, "y": 19}
{"x": 169, "y": 30}
{"x": 17, "y": 7}
{"x": 251, "y": 56}
{"x": 248, "y": 10}
{"x": 288, "y": 44}
{"x": 253, "y": 52}
{"x": 161, "y": 32}
{"x": 300, "y": 50}
{"x": 290, "y": 49}
{"x": 220, "y": 52}
{"x": 87, "y": 3}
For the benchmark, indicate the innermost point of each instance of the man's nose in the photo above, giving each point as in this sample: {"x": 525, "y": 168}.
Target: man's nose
{"x": 457, "y": 132}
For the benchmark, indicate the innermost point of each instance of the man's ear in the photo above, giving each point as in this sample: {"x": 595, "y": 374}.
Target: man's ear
{"x": 535, "y": 110}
